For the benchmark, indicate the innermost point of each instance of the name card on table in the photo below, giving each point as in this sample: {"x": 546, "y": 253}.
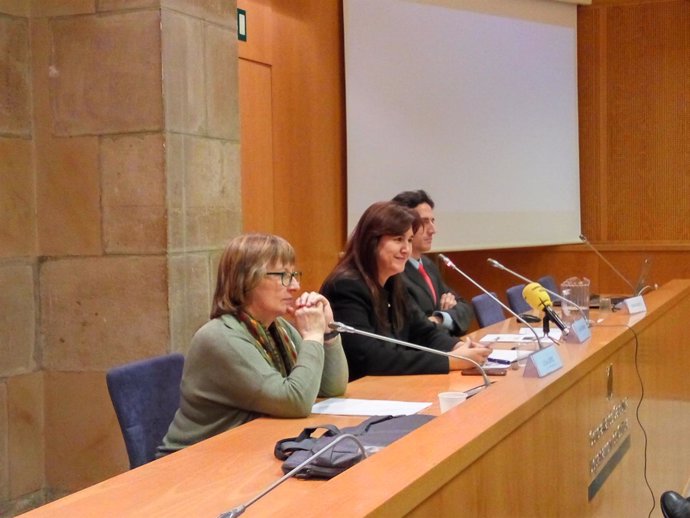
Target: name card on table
{"x": 579, "y": 331}
{"x": 543, "y": 362}
{"x": 635, "y": 305}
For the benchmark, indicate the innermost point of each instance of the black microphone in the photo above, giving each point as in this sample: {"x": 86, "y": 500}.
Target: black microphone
{"x": 343, "y": 328}
{"x": 452, "y": 266}
{"x": 584, "y": 239}
{"x": 240, "y": 509}
{"x": 535, "y": 295}
{"x": 496, "y": 264}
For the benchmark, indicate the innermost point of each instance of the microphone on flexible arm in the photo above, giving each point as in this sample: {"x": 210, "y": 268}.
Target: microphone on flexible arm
{"x": 496, "y": 264}
{"x": 452, "y": 266}
{"x": 240, "y": 509}
{"x": 343, "y": 328}
{"x": 536, "y": 296}
{"x": 584, "y": 239}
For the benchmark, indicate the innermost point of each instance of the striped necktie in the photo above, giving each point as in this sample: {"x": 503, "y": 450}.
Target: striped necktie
{"x": 422, "y": 271}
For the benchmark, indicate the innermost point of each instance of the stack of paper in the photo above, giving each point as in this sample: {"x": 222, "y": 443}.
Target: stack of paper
{"x": 342, "y": 406}
{"x": 507, "y": 356}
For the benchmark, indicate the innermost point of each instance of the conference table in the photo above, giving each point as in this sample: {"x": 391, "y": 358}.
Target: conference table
{"x": 602, "y": 436}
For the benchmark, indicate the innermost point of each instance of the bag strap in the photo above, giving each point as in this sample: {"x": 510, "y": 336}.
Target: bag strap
{"x": 364, "y": 426}
{"x": 376, "y": 420}
{"x": 304, "y": 441}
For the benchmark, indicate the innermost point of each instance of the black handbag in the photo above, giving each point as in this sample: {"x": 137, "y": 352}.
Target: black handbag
{"x": 374, "y": 433}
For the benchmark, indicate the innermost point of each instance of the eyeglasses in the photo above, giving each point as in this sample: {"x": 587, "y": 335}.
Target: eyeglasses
{"x": 286, "y": 277}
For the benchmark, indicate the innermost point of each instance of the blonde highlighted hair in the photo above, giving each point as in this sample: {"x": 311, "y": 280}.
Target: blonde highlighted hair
{"x": 243, "y": 265}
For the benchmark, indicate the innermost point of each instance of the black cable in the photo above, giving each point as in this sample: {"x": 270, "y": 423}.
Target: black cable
{"x": 637, "y": 411}
{"x": 639, "y": 421}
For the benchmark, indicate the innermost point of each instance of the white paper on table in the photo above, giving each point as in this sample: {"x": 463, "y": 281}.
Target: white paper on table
{"x": 368, "y": 407}
{"x": 506, "y": 338}
{"x": 507, "y": 355}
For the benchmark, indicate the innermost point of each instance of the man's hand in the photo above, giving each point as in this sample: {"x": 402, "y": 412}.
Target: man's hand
{"x": 447, "y": 301}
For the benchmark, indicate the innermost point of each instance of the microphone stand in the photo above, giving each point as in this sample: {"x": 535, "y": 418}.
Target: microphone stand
{"x": 496, "y": 264}
{"x": 451, "y": 265}
{"x": 240, "y": 509}
{"x": 343, "y": 328}
{"x": 545, "y": 324}
{"x": 584, "y": 239}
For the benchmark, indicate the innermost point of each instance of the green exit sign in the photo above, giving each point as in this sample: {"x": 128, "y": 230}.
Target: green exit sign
{"x": 242, "y": 25}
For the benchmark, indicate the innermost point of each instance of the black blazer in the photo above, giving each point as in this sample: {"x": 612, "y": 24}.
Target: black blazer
{"x": 352, "y": 305}
{"x": 461, "y": 315}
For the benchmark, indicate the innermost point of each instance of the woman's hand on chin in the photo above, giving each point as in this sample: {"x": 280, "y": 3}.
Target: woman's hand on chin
{"x": 310, "y": 315}
{"x": 314, "y": 299}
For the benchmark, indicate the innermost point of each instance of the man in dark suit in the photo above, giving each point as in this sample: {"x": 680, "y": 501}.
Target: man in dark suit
{"x": 422, "y": 278}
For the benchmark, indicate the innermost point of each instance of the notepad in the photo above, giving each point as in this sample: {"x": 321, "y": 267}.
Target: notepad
{"x": 507, "y": 355}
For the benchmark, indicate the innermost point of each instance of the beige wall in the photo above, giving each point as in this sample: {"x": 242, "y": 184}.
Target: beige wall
{"x": 119, "y": 185}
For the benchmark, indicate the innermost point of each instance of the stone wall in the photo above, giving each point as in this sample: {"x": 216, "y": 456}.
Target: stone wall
{"x": 119, "y": 186}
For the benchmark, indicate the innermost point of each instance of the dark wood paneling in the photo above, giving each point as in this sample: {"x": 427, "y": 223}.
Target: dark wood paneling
{"x": 634, "y": 60}
{"x": 648, "y": 56}
{"x": 592, "y": 120}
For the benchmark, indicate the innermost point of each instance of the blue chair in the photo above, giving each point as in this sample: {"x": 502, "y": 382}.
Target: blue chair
{"x": 145, "y": 395}
{"x": 487, "y": 310}
{"x": 515, "y": 299}
{"x": 550, "y": 284}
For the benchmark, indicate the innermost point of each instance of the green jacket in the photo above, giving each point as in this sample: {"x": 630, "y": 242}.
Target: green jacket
{"x": 226, "y": 382}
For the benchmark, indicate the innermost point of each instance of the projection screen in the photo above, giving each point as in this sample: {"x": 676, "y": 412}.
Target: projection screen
{"x": 474, "y": 101}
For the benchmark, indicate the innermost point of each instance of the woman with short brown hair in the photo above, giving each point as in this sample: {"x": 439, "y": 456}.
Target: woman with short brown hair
{"x": 248, "y": 361}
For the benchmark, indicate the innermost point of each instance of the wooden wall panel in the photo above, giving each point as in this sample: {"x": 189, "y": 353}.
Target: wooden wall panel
{"x": 648, "y": 58}
{"x": 592, "y": 122}
{"x": 256, "y": 123}
{"x": 256, "y": 117}
{"x": 634, "y": 60}
{"x": 309, "y": 131}
{"x": 303, "y": 42}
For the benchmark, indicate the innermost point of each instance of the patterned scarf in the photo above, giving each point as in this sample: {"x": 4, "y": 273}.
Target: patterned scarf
{"x": 273, "y": 343}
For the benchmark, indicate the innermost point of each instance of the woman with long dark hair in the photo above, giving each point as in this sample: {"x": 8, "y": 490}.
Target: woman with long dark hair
{"x": 366, "y": 292}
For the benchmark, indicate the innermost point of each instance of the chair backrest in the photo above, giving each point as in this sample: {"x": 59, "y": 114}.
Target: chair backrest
{"x": 515, "y": 299}
{"x": 145, "y": 395}
{"x": 487, "y": 310}
{"x": 550, "y": 284}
